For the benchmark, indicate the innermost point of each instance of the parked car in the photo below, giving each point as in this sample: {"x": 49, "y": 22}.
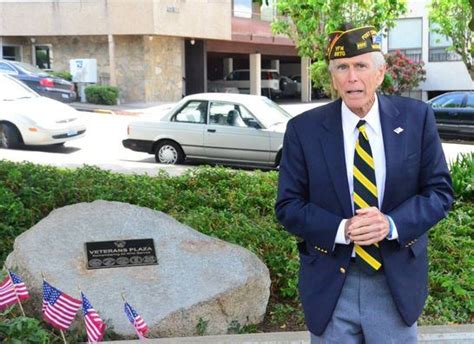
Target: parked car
{"x": 289, "y": 87}
{"x": 40, "y": 81}
{"x": 454, "y": 112}
{"x": 316, "y": 93}
{"x": 30, "y": 119}
{"x": 240, "y": 79}
{"x": 221, "y": 127}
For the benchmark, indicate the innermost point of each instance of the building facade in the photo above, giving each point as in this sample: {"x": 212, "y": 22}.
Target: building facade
{"x": 445, "y": 70}
{"x": 161, "y": 50}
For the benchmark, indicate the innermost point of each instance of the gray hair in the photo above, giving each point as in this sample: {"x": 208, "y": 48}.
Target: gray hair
{"x": 377, "y": 58}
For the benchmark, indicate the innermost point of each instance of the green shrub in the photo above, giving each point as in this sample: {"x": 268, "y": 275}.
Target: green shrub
{"x": 62, "y": 74}
{"x": 237, "y": 207}
{"x": 462, "y": 172}
{"x": 106, "y": 95}
{"x": 17, "y": 330}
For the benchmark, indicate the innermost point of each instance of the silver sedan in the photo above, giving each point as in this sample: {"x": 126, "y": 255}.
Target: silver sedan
{"x": 220, "y": 127}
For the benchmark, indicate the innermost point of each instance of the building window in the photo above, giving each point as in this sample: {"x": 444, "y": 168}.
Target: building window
{"x": 11, "y": 52}
{"x": 406, "y": 37}
{"x": 439, "y": 48}
{"x": 242, "y": 8}
{"x": 43, "y": 56}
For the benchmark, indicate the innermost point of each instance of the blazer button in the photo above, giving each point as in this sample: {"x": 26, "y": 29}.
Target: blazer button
{"x": 342, "y": 270}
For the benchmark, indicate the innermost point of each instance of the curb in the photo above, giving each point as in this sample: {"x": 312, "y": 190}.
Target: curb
{"x": 453, "y": 334}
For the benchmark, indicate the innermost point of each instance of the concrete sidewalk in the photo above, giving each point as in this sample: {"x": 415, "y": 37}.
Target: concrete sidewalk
{"x": 455, "y": 334}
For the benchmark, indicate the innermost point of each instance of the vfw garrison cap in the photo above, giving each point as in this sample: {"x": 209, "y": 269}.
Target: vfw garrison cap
{"x": 353, "y": 42}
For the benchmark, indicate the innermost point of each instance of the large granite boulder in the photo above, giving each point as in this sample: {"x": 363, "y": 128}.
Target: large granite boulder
{"x": 198, "y": 279}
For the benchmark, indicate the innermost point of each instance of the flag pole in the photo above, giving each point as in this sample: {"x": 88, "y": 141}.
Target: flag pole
{"x": 14, "y": 287}
{"x": 63, "y": 336}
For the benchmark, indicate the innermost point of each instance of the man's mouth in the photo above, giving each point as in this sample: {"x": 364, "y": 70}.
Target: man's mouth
{"x": 354, "y": 91}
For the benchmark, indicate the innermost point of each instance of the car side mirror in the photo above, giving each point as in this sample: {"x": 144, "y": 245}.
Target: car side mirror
{"x": 254, "y": 124}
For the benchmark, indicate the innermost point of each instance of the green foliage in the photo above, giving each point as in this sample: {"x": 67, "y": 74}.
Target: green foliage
{"x": 462, "y": 172}
{"x": 236, "y": 328}
{"x": 201, "y": 326}
{"x": 451, "y": 19}
{"x": 62, "y": 74}
{"x": 451, "y": 254}
{"x": 402, "y": 74}
{"x": 237, "y": 206}
{"x": 18, "y": 330}
{"x": 106, "y": 95}
{"x": 322, "y": 78}
{"x": 309, "y": 22}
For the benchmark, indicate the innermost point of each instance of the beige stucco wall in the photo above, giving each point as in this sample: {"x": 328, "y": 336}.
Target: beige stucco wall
{"x": 148, "y": 68}
{"x": 191, "y": 18}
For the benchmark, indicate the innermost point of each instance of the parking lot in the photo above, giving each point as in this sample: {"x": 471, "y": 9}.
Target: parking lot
{"x": 102, "y": 145}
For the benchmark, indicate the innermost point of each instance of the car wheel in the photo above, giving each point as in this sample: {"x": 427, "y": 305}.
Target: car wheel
{"x": 169, "y": 152}
{"x": 9, "y": 136}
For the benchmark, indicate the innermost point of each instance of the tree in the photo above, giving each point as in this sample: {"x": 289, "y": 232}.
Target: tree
{"x": 402, "y": 74}
{"x": 452, "y": 19}
{"x": 308, "y": 24}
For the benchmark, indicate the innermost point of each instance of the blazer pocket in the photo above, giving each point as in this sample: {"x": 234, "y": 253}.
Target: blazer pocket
{"x": 308, "y": 259}
{"x": 419, "y": 246}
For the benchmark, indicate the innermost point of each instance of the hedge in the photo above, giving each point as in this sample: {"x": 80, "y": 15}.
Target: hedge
{"x": 106, "y": 95}
{"x": 237, "y": 207}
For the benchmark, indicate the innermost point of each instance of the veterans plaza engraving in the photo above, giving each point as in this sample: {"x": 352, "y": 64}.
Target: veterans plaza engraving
{"x": 120, "y": 253}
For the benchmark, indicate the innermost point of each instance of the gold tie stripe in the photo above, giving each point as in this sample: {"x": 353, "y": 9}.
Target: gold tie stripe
{"x": 365, "y": 195}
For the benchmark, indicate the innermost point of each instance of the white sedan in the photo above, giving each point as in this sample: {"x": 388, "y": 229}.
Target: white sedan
{"x": 222, "y": 127}
{"x": 29, "y": 119}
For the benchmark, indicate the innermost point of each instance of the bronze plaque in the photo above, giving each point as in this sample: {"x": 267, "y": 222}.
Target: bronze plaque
{"x": 120, "y": 253}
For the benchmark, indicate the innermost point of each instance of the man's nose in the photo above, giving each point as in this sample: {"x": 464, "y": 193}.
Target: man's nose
{"x": 352, "y": 75}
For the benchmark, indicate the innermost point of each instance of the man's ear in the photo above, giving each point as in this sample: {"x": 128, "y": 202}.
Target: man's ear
{"x": 381, "y": 73}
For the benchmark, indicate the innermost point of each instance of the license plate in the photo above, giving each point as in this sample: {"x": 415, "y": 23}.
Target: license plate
{"x": 64, "y": 95}
{"x": 71, "y": 132}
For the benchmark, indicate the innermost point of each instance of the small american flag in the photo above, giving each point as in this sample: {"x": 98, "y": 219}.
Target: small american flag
{"x": 12, "y": 289}
{"x": 59, "y": 309}
{"x": 95, "y": 327}
{"x": 136, "y": 320}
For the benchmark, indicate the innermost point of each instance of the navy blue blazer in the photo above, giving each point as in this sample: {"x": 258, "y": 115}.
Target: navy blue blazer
{"x": 313, "y": 198}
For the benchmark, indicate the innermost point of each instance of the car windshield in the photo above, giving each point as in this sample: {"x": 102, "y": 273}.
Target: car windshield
{"x": 29, "y": 68}
{"x": 11, "y": 90}
{"x": 269, "y": 113}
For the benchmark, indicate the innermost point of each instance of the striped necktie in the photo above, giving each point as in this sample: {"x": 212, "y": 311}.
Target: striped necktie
{"x": 365, "y": 195}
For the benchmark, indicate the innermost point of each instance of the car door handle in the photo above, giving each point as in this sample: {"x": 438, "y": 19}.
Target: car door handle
{"x": 211, "y": 130}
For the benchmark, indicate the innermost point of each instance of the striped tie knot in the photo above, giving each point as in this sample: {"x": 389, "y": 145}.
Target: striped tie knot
{"x": 361, "y": 123}
{"x": 361, "y": 127}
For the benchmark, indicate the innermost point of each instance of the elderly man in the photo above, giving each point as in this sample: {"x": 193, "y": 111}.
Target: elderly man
{"x": 362, "y": 180}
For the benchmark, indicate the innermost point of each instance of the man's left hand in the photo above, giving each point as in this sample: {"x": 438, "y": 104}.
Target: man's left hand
{"x": 369, "y": 226}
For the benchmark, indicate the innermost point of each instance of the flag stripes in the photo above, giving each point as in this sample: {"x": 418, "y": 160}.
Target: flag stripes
{"x": 136, "y": 320}
{"x": 95, "y": 327}
{"x": 7, "y": 293}
{"x": 12, "y": 289}
{"x": 59, "y": 309}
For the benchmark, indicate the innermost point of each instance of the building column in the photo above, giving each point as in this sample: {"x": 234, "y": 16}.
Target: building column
{"x": 228, "y": 66}
{"x": 305, "y": 79}
{"x": 255, "y": 74}
{"x": 113, "y": 79}
{"x": 1, "y": 47}
{"x": 33, "y": 51}
{"x": 275, "y": 64}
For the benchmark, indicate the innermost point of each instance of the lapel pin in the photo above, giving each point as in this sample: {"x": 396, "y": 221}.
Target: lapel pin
{"x": 398, "y": 130}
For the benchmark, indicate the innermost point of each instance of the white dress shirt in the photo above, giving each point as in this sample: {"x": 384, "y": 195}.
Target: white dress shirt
{"x": 374, "y": 133}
